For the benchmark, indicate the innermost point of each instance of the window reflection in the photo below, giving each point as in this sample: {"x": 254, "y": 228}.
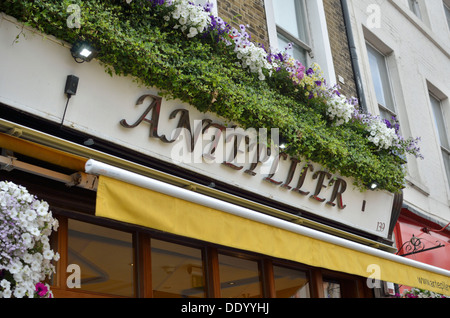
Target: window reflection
{"x": 447, "y": 14}
{"x": 380, "y": 78}
{"x": 331, "y": 289}
{"x": 177, "y": 271}
{"x": 104, "y": 256}
{"x": 297, "y": 52}
{"x": 239, "y": 278}
{"x": 291, "y": 21}
{"x": 290, "y": 283}
{"x": 290, "y": 15}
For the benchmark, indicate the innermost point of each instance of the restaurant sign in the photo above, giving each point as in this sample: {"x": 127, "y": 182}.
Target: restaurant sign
{"x": 254, "y": 160}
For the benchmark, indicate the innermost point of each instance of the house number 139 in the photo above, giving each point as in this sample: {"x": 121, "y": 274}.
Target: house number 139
{"x": 381, "y": 226}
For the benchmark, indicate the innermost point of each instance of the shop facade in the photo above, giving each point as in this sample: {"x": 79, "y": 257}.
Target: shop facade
{"x": 156, "y": 199}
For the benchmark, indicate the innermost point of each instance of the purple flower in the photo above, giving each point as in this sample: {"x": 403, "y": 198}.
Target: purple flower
{"x": 280, "y": 57}
{"x": 208, "y": 7}
{"x": 157, "y": 2}
{"x": 41, "y": 289}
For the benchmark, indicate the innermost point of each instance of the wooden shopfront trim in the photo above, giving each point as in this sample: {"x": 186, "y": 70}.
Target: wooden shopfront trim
{"x": 210, "y": 252}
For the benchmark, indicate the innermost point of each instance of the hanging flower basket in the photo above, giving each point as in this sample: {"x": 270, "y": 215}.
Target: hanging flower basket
{"x": 25, "y": 254}
{"x": 419, "y": 293}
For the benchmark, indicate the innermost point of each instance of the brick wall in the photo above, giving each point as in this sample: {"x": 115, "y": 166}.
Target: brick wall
{"x": 339, "y": 46}
{"x": 247, "y": 12}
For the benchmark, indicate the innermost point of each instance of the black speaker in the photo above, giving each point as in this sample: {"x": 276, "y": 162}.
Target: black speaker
{"x": 71, "y": 85}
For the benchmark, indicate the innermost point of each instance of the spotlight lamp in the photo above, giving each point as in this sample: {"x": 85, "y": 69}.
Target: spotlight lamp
{"x": 283, "y": 144}
{"x": 373, "y": 186}
{"x": 82, "y": 51}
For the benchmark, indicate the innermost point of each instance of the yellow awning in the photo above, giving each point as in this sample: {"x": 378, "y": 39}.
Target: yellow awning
{"x": 133, "y": 204}
{"x": 41, "y": 152}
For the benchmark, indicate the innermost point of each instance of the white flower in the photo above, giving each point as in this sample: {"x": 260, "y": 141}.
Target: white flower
{"x": 34, "y": 231}
{"x": 55, "y": 224}
{"x": 20, "y": 257}
{"x": 42, "y": 210}
{"x": 15, "y": 267}
{"x": 5, "y": 284}
{"x": 56, "y": 257}
{"x": 339, "y": 109}
{"x": 27, "y": 258}
{"x": 19, "y": 292}
{"x": 48, "y": 254}
{"x": 30, "y": 215}
{"x": 6, "y": 293}
{"x": 192, "y": 32}
{"x": 189, "y": 16}
{"x": 380, "y": 134}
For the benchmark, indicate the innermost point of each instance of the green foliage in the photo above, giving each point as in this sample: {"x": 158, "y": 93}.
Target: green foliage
{"x": 135, "y": 40}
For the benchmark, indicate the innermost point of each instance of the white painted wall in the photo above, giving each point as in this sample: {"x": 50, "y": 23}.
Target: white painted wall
{"x": 418, "y": 54}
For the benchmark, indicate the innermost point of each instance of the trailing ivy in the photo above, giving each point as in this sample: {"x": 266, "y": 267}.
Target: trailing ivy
{"x": 136, "y": 41}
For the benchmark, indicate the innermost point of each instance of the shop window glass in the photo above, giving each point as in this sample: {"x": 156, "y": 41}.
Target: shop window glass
{"x": 104, "y": 256}
{"x": 290, "y": 15}
{"x": 177, "y": 271}
{"x": 331, "y": 289}
{"x": 381, "y": 82}
{"x": 415, "y": 8}
{"x": 239, "y": 278}
{"x": 291, "y": 22}
{"x": 297, "y": 52}
{"x": 447, "y": 14}
{"x": 291, "y": 283}
{"x": 442, "y": 133}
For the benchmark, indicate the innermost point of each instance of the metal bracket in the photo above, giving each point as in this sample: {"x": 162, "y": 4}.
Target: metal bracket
{"x": 16, "y": 132}
{"x": 8, "y": 163}
{"x": 83, "y": 180}
{"x": 79, "y": 179}
{"x": 415, "y": 246}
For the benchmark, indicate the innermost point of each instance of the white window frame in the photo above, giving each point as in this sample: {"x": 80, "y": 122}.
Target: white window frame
{"x": 319, "y": 43}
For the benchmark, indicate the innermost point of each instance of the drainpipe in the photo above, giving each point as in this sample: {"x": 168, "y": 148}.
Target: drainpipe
{"x": 354, "y": 56}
